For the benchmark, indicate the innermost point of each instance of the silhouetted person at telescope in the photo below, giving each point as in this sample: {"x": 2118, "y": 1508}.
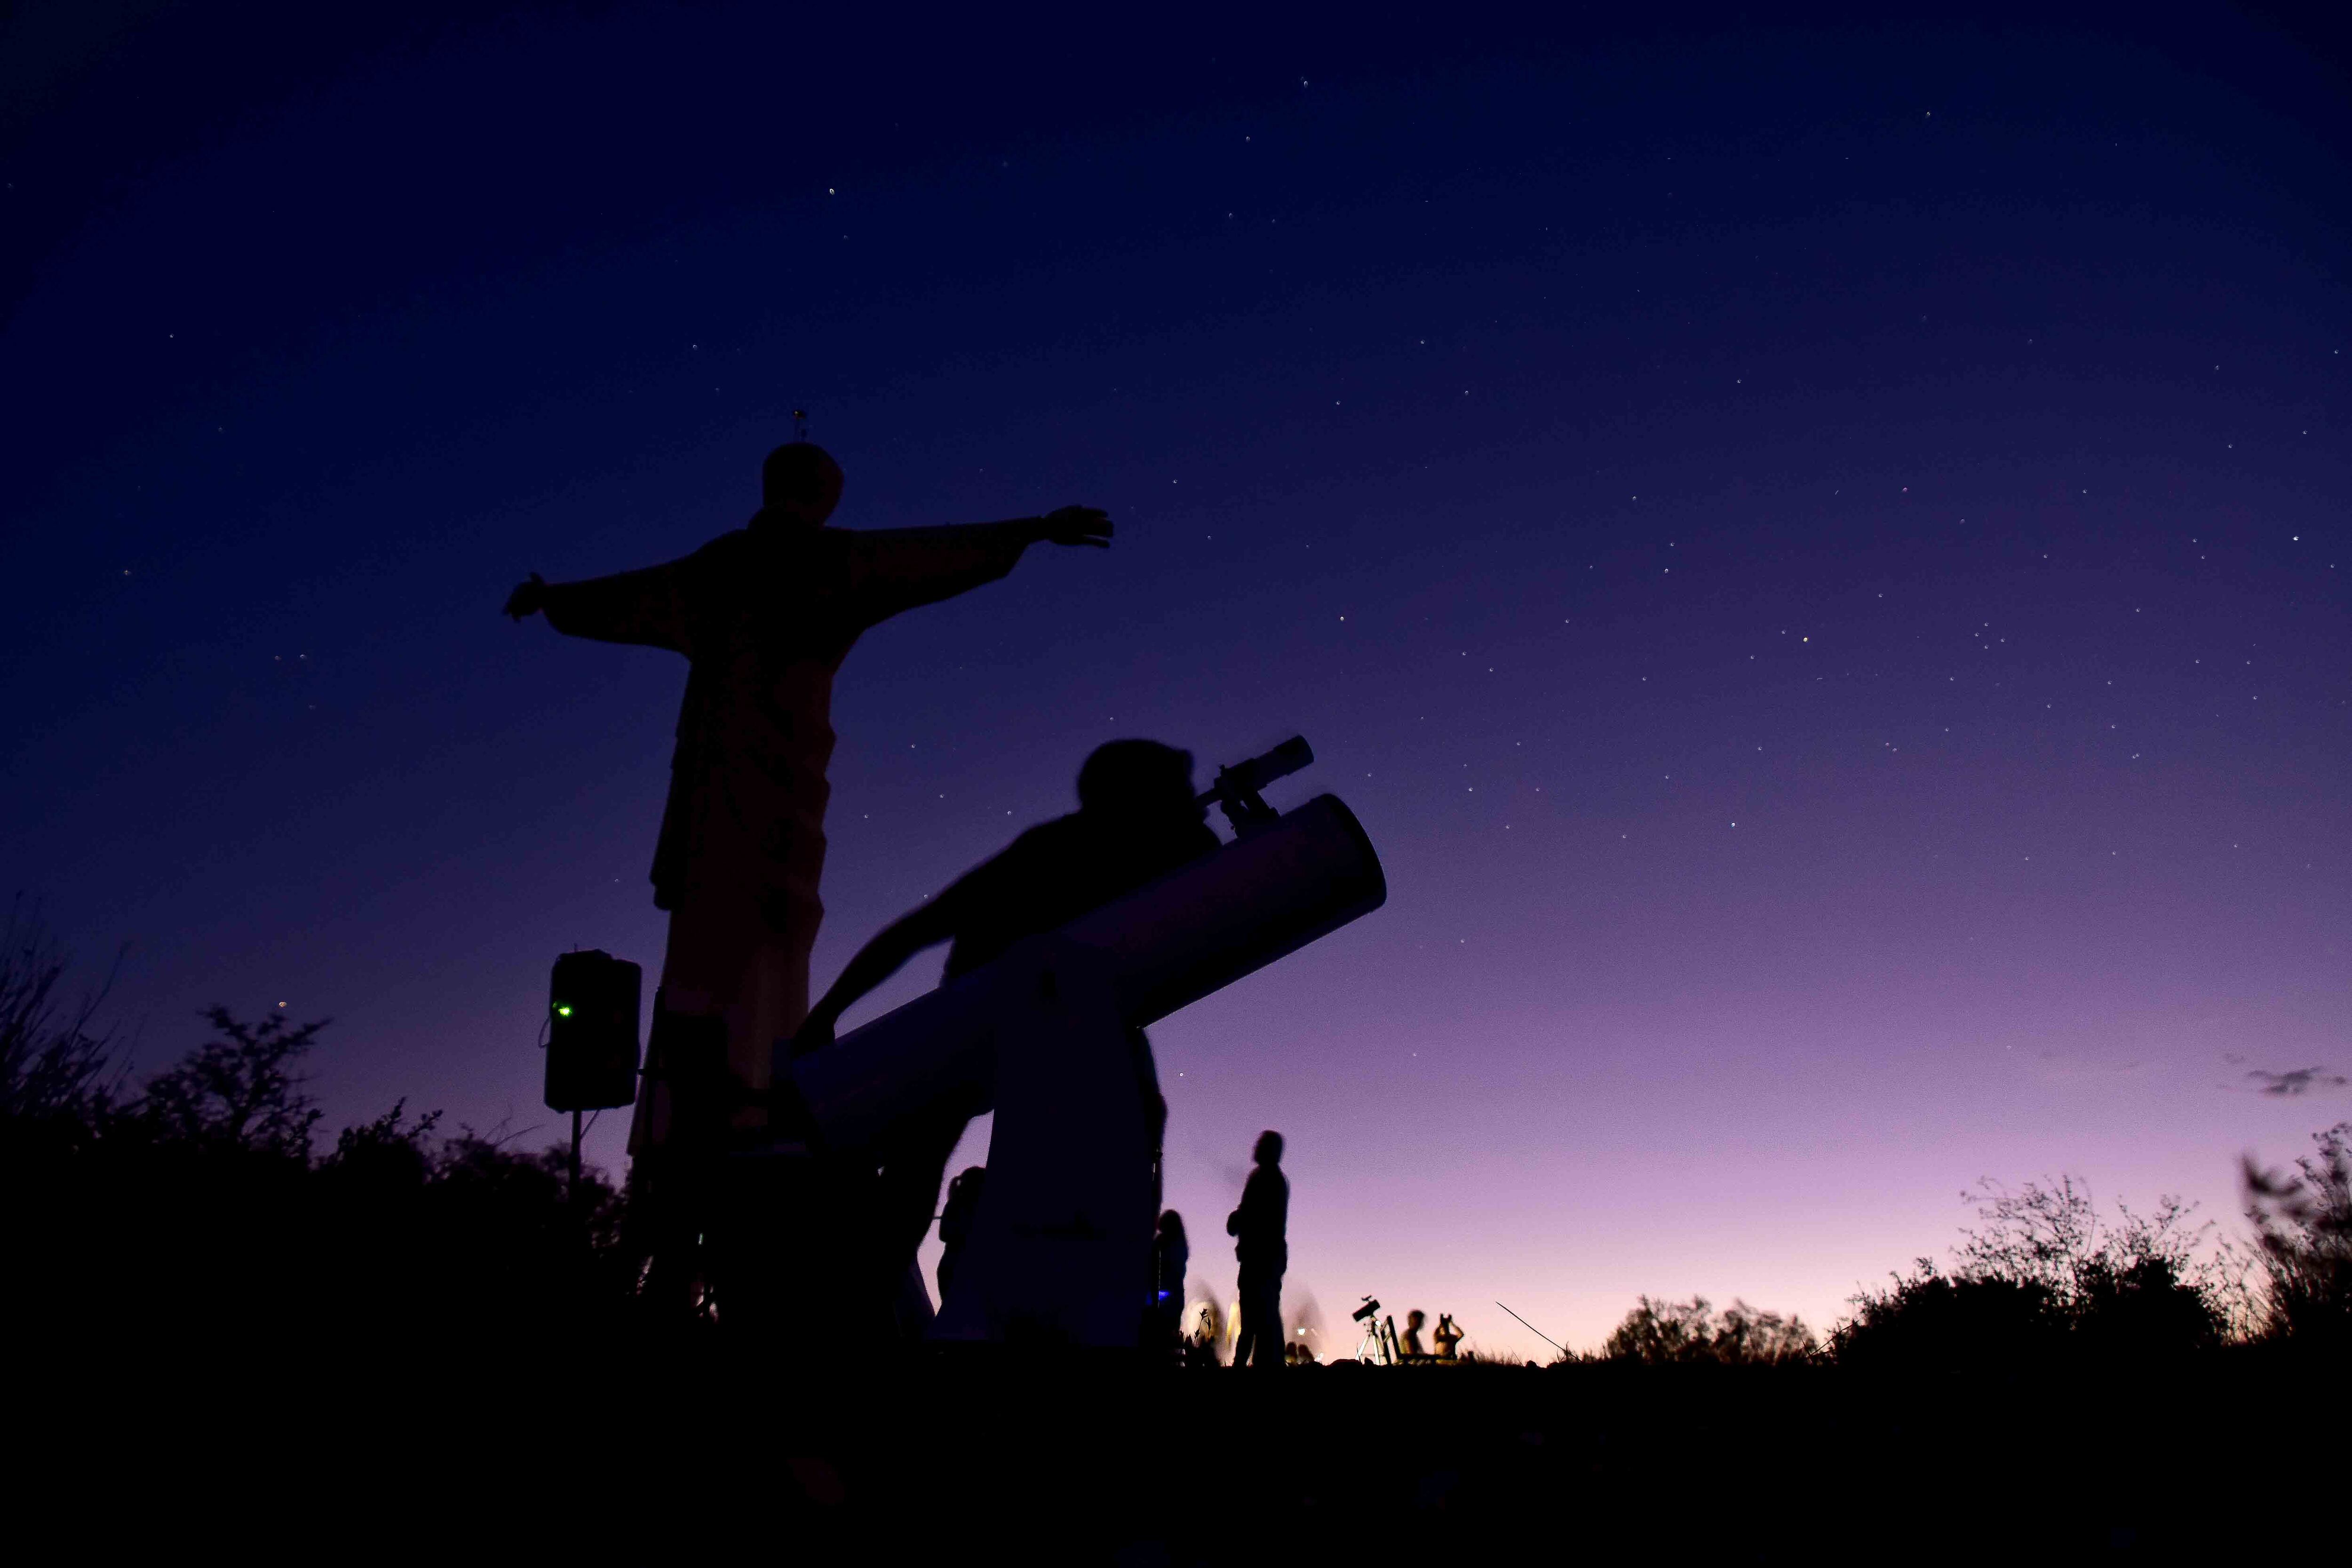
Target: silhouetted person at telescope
{"x": 765, "y": 615}
{"x": 1260, "y": 1228}
{"x": 1137, "y": 820}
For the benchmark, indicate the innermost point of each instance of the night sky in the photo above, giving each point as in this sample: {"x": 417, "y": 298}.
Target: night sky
{"x": 1820, "y": 556}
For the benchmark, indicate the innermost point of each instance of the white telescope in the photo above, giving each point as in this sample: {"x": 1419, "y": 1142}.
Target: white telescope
{"x": 1060, "y": 1243}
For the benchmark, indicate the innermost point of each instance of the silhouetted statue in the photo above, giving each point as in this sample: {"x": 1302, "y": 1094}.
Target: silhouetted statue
{"x": 1410, "y": 1344}
{"x": 1137, "y": 820}
{"x": 765, "y": 614}
{"x": 1171, "y": 1254}
{"x": 1447, "y": 1336}
{"x": 1260, "y": 1228}
{"x": 955, "y": 1220}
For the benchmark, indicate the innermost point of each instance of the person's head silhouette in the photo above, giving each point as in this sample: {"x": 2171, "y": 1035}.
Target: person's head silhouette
{"x": 800, "y": 485}
{"x": 1415, "y": 1318}
{"x": 1138, "y": 780}
{"x": 1269, "y": 1148}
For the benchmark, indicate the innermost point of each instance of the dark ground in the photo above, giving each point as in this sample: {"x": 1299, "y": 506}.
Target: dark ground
{"x": 688, "y": 1457}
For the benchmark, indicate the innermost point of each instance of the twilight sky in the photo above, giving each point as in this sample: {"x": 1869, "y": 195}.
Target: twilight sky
{"x": 1820, "y": 556}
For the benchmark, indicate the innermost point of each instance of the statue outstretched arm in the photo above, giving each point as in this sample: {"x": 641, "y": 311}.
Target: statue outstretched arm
{"x": 899, "y": 569}
{"x": 647, "y": 607}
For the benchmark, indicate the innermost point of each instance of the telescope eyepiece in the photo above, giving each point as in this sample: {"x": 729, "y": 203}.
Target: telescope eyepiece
{"x": 1249, "y": 777}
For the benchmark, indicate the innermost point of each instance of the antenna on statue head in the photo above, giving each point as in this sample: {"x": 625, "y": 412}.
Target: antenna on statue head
{"x": 800, "y": 424}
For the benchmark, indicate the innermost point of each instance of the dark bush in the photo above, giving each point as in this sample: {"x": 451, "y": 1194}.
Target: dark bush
{"x": 1662, "y": 1333}
{"x": 1931, "y": 1322}
{"x": 2043, "y": 1277}
{"x": 2302, "y": 1227}
{"x": 194, "y": 1214}
{"x": 58, "y": 1075}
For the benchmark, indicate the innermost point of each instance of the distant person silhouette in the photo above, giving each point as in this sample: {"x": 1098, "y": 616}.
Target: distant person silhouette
{"x": 1447, "y": 1336}
{"x": 764, "y": 616}
{"x": 1260, "y": 1228}
{"x": 1171, "y": 1254}
{"x": 1137, "y": 818}
{"x": 955, "y": 1222}
{"x": 1411, "y": 1346}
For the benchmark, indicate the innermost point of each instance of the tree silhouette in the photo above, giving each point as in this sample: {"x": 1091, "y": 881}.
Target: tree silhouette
{"x": 1928, "y": 1320}
{"x": 2303, "y": 1226}
{"x": 196, "y": 1207}
{"x": 2042, "y": 1276}
{"x": 56, "y": 1071}
{"x": 240, "y": 1093}
{"x": 1664, "y": 1332}
{"x": 392, "y": 1153}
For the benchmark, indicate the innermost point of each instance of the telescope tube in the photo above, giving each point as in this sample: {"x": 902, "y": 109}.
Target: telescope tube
{"x": 1258, "y": 899}
{"x": 1162, "y": 947}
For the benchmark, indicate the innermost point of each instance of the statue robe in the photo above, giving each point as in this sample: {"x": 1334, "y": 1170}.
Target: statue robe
{"x": 764, "y": 619}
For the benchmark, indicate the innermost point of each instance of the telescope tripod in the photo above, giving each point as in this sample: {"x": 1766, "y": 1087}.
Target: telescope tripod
{"x": 1379, "y": 1335}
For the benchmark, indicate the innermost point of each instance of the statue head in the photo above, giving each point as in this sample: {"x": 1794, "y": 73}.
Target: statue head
{"x": 800, "y": 485}
{"x": 1139, "y": 781}
{"x": 1269, "y": 1148}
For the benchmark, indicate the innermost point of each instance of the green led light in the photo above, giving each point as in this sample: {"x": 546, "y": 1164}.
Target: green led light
{"x": 564, "y": 1011}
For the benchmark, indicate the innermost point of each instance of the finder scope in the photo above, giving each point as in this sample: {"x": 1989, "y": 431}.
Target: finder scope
{"x": 1237, "y": 788}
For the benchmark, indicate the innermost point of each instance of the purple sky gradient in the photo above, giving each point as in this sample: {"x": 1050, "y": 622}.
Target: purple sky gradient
{"x": 1818, "y": 558}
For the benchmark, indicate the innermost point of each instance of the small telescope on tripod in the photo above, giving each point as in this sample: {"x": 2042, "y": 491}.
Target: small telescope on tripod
{"x": 1379, "y": 1339}
{"x": 1060, "y": 1244}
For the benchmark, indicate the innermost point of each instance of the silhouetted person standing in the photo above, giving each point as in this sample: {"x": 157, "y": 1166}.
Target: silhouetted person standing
{"x": 764, "y": 615}
{"x": 1172, "y": 1255}
{"x": 1137, "y": 820}
{"x": 1410, "y": 1347}
{"x": 1260, "y": 1228}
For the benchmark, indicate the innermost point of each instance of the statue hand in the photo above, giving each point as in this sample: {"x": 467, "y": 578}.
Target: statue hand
{"x": 1076, "y": 526}
{"x": 528, "y": 598}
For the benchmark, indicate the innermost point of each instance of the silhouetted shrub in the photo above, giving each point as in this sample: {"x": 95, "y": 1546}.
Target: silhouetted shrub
{"x": 194, "y": 1211}
{"x": 2303, "y": 1226}
{"x": 377, "y": 1160}
{"x": 57, "y": 1076}
{"x": 2149, "y": 1306}
{"x": 1659, "y": 1332}
{"x": 463, "y": 1233}
{"x": 1928, "y": 1320}
{"x": 2044, "y": 1278}
{"x": 240, "y": 1093}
